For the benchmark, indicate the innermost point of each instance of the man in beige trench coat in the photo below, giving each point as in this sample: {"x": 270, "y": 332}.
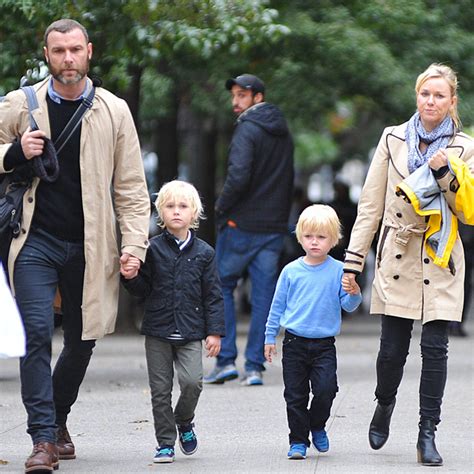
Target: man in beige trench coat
{"x": 68, "y": 236}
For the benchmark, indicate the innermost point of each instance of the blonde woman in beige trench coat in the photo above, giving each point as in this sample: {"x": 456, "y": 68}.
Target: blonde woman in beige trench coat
{"x": 408, "y": 285}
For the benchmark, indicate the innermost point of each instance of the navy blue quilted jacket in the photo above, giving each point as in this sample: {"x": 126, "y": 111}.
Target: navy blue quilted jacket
{"x": 181, "y": 289}
{"x": 257, "y": 192}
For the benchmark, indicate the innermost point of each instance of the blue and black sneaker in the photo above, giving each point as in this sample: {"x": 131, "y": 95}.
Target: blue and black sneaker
{"x": 164, "y": 454}
{"x": 187, "y": 439}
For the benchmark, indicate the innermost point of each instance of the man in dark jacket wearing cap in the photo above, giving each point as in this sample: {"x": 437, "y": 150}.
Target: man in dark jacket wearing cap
{"x": 252, "y": 213}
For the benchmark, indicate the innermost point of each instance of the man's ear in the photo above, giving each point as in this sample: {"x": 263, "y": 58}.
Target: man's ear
{"x": 258, "y": 97}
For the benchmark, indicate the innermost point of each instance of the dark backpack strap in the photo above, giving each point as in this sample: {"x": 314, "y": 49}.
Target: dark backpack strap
{"x": 46, "y": 166}
{"x": 74, "y": 122}
{"x": 32, "y": 105}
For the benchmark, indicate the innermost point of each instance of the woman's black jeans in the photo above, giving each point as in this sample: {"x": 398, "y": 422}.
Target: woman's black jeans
{"x": 308, "y": 365}
{"x": 394, "y": 345}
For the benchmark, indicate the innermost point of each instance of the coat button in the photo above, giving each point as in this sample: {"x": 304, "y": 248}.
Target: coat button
{"x": 399, "y": 256}
{"x": 426, "y": 282}
{"x": 396, "y": 277}
{"x": 399, "y": 214}
{"x": 23, "y": 231}
{"x": 30, "y": 199}
{"x": 426, "y": 260}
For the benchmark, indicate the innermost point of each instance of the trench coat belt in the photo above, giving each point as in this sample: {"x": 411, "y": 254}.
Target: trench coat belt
{"x": 404, "y": 232}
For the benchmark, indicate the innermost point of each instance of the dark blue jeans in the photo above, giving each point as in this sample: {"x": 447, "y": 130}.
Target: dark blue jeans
{"x": 259, "y": 253}
{"x": 308, "y": 365}
{"x": 393, "y": 352}
{"x": 43, "y": 264}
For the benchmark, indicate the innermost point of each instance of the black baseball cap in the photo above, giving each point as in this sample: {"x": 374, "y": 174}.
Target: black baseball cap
{"x": 246, "y": 81}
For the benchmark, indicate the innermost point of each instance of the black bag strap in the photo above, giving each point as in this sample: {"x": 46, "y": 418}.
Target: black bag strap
{"x": 73, "y": 123}
{"x": 75, "y": 120}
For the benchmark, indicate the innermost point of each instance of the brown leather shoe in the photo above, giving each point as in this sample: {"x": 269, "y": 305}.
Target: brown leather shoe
{"x": 44, "y": 458}
{"x": 66, "y": 447}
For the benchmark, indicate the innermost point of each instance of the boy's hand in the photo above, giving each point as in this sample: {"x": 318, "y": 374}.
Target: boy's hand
{"x": 349, "y": 284}
{"x": 129, "y": 266}
{"x": 270, "y": 350}
{"x": 213, "y": 345}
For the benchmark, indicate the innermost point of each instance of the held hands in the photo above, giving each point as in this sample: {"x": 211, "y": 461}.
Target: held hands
{"x": 349, "y": 284}
{"x": 32, "y": 143}
{"x": 129, "y": 266}
{"x": 438, "y": 160}
{"x": 269, "y": 351}
{"x": 213, "y": 345}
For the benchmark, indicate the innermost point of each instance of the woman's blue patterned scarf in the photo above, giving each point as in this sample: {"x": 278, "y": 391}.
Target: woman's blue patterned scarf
{"x": 436, "y": 139}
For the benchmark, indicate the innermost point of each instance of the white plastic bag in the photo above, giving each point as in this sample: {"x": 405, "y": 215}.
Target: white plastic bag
{"x": 12, "y": 334}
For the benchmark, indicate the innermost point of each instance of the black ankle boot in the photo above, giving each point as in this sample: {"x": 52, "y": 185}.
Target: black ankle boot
{"x": 380, "y": 425}
{"x": 426, "y": 449}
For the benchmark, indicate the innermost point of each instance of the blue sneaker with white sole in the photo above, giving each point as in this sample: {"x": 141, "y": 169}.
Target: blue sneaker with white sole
{"x": 320, "y": 440}
{"x": 297, "y": 451}
{"x": 221, "y": 374}
{"x": 253, "y": 377}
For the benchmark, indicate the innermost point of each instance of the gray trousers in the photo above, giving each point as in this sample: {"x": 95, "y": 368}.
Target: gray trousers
{"x": 161, "y": 359}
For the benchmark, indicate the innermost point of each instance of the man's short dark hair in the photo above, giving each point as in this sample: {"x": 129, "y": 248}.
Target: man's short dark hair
{"x": 64, "y": 25}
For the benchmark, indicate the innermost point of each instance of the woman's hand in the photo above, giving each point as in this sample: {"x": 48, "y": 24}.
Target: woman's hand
{"x": 349, "y": 284}
{"x": 438, "y": 160}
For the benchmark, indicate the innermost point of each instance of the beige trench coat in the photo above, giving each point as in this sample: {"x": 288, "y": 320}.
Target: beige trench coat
{"x": 114, "y": 189}
{"x": 407, "y": 283}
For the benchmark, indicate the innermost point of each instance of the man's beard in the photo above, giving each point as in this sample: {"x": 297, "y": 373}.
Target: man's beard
{"x": 81, "y": 72}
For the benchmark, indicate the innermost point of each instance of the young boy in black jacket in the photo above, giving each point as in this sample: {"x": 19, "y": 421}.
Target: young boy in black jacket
{"x": 183, "y": 305}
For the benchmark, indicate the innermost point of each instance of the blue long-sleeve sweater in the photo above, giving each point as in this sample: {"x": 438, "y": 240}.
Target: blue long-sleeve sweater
{"x": 308, "y": 300}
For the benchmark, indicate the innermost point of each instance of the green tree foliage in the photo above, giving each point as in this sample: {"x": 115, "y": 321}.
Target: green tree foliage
{"x": 313, "y": 55}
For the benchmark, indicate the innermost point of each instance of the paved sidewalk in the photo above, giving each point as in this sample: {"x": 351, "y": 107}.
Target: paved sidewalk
{"x": 243, "y": 429}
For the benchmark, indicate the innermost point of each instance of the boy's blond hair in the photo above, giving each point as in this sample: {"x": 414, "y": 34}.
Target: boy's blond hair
{"x": 319, "y": 217}
{"x": 175, "y": 190}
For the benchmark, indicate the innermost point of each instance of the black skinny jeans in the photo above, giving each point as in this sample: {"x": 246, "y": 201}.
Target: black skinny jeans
{"x": 394, "y": 345}
{"x": 309, "y": 365}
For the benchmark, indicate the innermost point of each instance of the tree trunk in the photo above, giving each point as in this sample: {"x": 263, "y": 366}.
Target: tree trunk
{"x": 132, "y": 94}
{"x": 200, "y": 137}
{"x": 167, "y": 146}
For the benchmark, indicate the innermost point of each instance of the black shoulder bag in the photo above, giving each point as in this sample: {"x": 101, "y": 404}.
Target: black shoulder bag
{"x": 14, "y": 185}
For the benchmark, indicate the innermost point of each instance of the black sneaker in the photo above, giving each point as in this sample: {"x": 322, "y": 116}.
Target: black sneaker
{"x": 187, "y": 439}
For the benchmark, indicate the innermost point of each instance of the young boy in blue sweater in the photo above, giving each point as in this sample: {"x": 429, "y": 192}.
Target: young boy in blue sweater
{"x": 183, "y": 305}
{"x": 307, "y": 302}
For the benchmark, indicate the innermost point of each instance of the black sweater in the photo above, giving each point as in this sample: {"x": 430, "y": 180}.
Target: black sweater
{"x": 58, "y": 207}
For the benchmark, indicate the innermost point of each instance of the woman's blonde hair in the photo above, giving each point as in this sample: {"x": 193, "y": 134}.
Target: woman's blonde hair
{"x": 446, "y": 73}
{"x": 174, "y": 191}
{"x": 319, "y": 217}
